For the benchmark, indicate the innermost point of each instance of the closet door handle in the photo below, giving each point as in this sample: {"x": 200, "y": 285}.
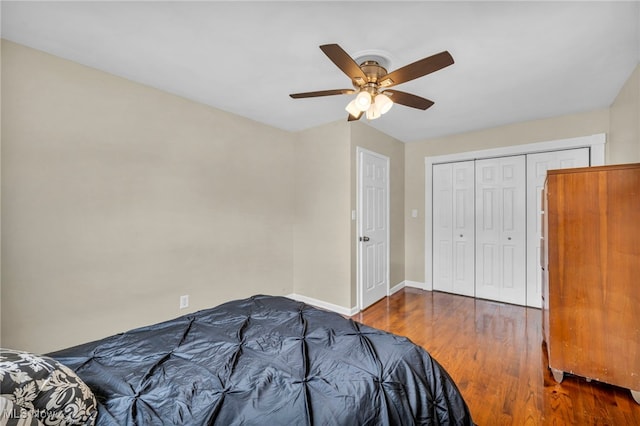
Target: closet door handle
{"x": 365, "y": 239}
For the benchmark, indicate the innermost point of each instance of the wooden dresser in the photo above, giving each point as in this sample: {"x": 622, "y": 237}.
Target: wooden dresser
{"x": 591, "y": 274}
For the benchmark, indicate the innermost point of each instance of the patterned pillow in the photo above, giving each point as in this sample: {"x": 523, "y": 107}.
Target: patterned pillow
{"x": 44, "y": 389}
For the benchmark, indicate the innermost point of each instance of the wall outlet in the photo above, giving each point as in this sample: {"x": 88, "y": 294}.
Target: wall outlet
{"x": 184, "y": 301}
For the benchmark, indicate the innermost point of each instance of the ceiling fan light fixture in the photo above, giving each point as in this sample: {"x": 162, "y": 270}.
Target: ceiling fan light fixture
{"x": 363, "y": 101}
{"x": 352, "y": 109}
{"x": 370, "y": 81}
{"x": 383, "y": 103}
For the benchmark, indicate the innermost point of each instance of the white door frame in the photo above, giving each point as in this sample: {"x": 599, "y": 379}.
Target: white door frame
{"x": 594, "y": 142}
{"x": 359, "y": 152}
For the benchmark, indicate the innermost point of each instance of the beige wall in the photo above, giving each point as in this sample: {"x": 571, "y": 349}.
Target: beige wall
{"x": 624, "y": 135}
{"x": 322, "y": 256}
{"x": 369, "y": 138}
{"x": 118, "y": 198}
{"x": 569, "y": 126}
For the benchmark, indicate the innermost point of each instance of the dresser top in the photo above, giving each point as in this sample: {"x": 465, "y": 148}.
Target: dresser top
{"x": 594, "y": 169}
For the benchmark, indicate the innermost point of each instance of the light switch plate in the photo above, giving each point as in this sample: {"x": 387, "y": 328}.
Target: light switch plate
{"x": 184, "y": 301}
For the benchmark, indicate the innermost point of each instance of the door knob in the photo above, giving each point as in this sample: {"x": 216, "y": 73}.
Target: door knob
{"x": 364, "y": 239}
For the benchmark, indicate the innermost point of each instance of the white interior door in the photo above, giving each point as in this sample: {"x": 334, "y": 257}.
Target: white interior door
{"x": 373, "y": 258}
{"x": 500, "y": 229}
{"x": 453, "y": 228}
{"x": 537, "y": 166}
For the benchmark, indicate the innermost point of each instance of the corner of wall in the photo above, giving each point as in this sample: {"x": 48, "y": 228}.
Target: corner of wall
{"x": 623, "y": 144}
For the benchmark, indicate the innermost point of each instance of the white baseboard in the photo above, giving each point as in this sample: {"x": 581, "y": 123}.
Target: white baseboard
{"x": 346, "y": 311}
{"x": 403, "y": 284}
{"x": 397, "y": 288}
{"x": 324, "y": 305}
{"x": 415, "y": 284}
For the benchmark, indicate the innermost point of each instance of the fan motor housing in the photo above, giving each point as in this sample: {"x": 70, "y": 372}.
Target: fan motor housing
{"x": 373, "y": 70}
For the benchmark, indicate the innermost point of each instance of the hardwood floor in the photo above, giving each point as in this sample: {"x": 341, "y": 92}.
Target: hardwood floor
{"x": 494, "y": 353}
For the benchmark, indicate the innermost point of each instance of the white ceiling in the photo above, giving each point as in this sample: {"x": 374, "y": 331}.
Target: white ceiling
{"x": 514, "y": 61}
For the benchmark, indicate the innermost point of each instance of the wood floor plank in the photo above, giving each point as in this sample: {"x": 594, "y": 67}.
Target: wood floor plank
{"x": 494, "y": 352}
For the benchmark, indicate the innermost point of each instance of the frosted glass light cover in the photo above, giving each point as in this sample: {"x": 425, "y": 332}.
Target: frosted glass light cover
{"x": 383, "y": 103}
{"x": 363, "y": 101}
{"x": 352, "y": 109}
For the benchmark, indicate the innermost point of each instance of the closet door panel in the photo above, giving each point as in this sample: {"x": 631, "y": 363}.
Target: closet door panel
{"x": 537, "y": 166}
{"x": 453, "y": 227}
{"x": 500, "y": 229}
{"x": 442, "y": 227}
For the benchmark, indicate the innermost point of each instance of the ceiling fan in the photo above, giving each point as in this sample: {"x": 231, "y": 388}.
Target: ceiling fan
{"x": 371, "y": 82}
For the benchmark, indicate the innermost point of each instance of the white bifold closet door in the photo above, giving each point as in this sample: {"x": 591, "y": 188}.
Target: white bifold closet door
{"x": 537, "y": 166}
{"x": 453, "y": 227}
{"x": 501, "y": 229}
{"x": 486, "y": 224}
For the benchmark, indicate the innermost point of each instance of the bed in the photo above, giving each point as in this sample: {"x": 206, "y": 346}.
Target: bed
{"x": 264, "y": 360}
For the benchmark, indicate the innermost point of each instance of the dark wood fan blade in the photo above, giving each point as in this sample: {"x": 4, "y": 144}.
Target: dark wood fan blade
{"x": 352, "y": 118}
{"x": 322, "y": 93}
{"x": 417, "y": 69}
{"x": 407, "y": 99}
{"x": 344, "y": 62}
